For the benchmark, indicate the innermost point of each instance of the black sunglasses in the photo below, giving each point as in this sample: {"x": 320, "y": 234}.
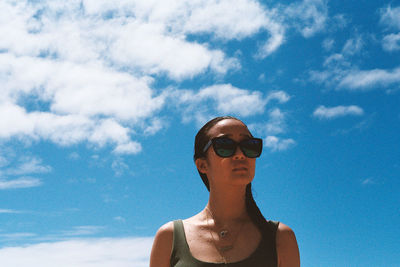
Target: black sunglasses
{"x": 226, "y": 147}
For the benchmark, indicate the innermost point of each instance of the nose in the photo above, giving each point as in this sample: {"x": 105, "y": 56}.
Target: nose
{"x": 238, "y": 153}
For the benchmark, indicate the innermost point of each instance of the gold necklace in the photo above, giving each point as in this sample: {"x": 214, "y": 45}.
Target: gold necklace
{"x": 222, "y": 234}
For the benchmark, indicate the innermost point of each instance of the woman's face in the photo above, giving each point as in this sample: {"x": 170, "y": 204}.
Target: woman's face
{"x": 235, "y": 170}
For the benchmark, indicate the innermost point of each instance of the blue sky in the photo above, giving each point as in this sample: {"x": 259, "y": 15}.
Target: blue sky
{"x": 100, "y": 102}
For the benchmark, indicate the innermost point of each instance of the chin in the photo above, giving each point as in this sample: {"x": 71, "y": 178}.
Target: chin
{"x": 243, "y": 178}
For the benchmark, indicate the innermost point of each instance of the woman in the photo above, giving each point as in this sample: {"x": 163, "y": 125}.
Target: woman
{"x": 230, "y": 230}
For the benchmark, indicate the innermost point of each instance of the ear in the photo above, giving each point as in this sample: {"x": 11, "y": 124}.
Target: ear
{"x": 201, "y": 165}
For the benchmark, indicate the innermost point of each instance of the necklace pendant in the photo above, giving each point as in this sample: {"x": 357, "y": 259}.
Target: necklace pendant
{"x": 223, "y": 233}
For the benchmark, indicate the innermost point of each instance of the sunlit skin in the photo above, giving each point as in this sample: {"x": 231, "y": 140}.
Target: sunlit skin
{"x": 228, "y": 178}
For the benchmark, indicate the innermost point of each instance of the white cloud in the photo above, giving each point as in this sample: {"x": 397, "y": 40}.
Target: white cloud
{"x": 340, "y": 72}
{"x": 27, "y": 165}
{"x": 339, "y": 21}
{"x": 278, "y": 144}
{"x": 155, "y": 53}
{"x": 64, "y": 129}
{"x": 391, "y": 17}
{"x": 276, "y": 124}
{"x": 277, "y": 33}
{"x": 323, "y": 112}
{"x": 128, "y": 148}
{"x": 155, "y": 125}
{"x": 8, "y": 211}
{"x": 85, "y": 89}
{"x": 16, "y": 171}
{"x": 3, "y": 161}
{"x": 234, "y": 100}
{"x": 221, "y": 99}
{"x": 120, "y": 219}
{"x": 23, "y": 182}
{"x": 119, "y": 167}
{"x": 328, "y": 44}
{"x": 310, "y": 16}
{"x": 96, "y": 252}
{"x": 280, "y": 96}
{"x": 368, "y": 181}
{"x": 16, "y": 236}
{"x": 89, "y": 66}
{"x": 221, "y": 17}
{"x": 109, "y": 129}
{"x": 74, "y": 156}
{"x": 353, "y": 46}
{"x": 366, "y": 79}
{"x": 391, "y": 42}
{"x": 83, "y": 230}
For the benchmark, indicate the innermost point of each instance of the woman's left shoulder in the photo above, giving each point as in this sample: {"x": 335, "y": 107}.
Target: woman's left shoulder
{"x": 287, "y": 248}
{"x": 285, "y": 231}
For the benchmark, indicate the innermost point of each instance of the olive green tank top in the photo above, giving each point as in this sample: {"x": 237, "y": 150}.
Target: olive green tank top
{"x": 264, "y": 256}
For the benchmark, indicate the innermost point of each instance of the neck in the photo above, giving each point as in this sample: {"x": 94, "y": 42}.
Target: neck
{"x": 229, "y": 204}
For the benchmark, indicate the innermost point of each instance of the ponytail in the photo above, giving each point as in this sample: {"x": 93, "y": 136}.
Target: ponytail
{"x": 253, "y": 211}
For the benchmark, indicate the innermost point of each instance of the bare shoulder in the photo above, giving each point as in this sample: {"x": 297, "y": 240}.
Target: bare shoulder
{"x": 287, "y": 248}
{"x": 166, "y": 230}
{"x": 162, "y": 246}
{"x": 284, "y": 233}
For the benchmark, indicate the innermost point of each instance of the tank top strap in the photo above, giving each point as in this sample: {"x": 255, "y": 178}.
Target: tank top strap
{"x": 180, "y": 248}
{"x": 272, "y": 227}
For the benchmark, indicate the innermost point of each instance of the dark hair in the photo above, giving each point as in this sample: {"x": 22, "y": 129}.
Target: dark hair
{"x": 201, "y": 140}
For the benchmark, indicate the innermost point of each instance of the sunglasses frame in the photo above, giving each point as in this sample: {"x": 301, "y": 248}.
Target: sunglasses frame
{"x": 237, "y": 144}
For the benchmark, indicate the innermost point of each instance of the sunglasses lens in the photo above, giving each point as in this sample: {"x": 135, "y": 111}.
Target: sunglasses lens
{"x": 224, "y": 147}
{"x": 252, "y": 147}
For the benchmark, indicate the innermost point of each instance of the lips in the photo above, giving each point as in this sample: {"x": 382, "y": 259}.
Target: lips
{"x": 239, "y": 169}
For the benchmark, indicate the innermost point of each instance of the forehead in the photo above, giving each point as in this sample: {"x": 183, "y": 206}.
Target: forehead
{"x": 228, "y": 127}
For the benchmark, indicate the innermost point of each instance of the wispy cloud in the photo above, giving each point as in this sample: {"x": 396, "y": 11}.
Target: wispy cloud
{"x": 340, "y": 73}
{"x": 278, "y": 144}
{"x": 28, "y": 165}
{"x": 323, "y": 112}
{"x": 119, "y": 219}
{"x": 9, "y": 211}
{"x": 310, "y": 16}
{"x": 17, "y": 172}
{"x": 118, "y": 252}
{"x": 276, "y": 124}
{"x": 23, "y": 182}
{"x": 83, "y": 230}
{"x": 367, "y": 79}
{"x": 328, "y": 44}
{"x": 391, "y": 42}
{"x": 221, "y": 99}
{"x": 16, "y": 236}
{"x": 119, "y": 166}
{"x": 353, "y": 45}
{"x": 390, "y": 16}
{"x": 280, "y": 96}
{"x": 368, "y": 181}
{"x": 360, "y": 126}
{"x": 74, "y": 156}
{"x": 343, "y": 77}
